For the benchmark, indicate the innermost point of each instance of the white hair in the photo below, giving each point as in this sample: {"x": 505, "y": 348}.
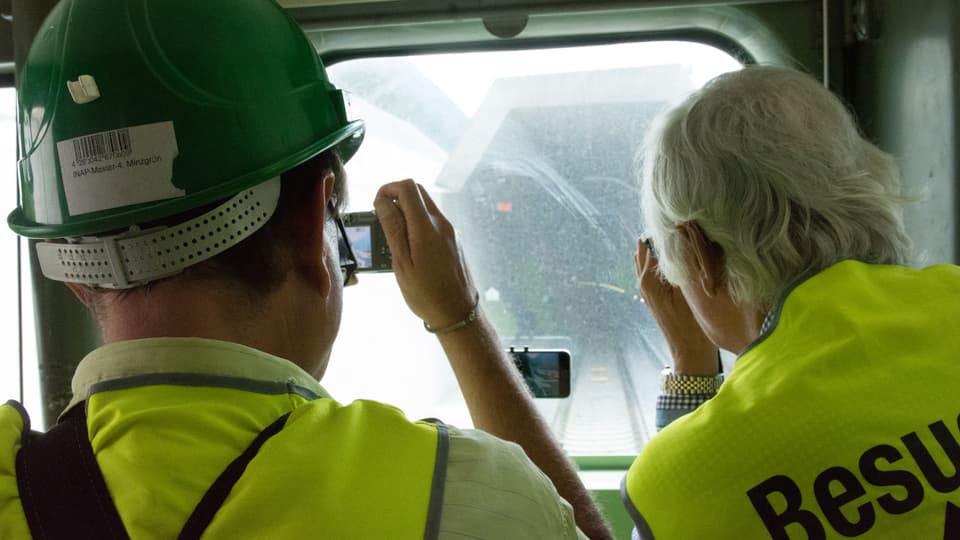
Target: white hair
{"x": 771, "y": 166}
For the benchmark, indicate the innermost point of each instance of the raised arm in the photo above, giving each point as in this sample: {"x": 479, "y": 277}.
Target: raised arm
{"x": 693, "y": 356}
{"x": 437, "y": 287}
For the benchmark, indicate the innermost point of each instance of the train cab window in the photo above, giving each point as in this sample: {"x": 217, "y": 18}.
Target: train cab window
{"x": 531, "y": 155}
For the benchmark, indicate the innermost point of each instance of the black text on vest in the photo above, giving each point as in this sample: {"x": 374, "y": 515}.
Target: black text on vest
{"x": 779, "y": 502}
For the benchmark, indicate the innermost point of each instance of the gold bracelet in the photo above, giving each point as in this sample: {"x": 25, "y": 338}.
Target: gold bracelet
{"x": 671, "y": 383}
{"x": 472, "y": 316}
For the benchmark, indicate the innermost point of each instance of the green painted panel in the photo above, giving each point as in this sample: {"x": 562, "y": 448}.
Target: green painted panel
{"x": 797, "y": 27}
{"x": 614, "y": 512}
{"x": 904, "y": 91}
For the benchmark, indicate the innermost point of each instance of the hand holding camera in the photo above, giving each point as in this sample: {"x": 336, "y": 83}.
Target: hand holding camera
{"x": 426, "y": 256}
{"x": 693, "y": 353}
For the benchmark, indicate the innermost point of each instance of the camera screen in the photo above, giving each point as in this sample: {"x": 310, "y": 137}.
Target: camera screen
{"x": 361, "y": 244}
{"x": 547, "y": 373}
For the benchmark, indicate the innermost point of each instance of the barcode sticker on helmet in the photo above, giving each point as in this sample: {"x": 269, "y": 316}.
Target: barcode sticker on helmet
{"x": 117, "y": 168}
{"x": 102, "y": 146}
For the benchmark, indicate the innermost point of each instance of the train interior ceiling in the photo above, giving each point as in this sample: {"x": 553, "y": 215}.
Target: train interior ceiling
{"x": 524, "y": 117}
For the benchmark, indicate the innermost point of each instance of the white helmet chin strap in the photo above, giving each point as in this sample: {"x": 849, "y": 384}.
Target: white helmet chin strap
{"x": 139, "y": 256}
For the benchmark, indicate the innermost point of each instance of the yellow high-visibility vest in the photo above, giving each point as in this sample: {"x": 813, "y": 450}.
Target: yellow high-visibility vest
{"x": 357, "y": 471}
{"x": 841, "y": 421}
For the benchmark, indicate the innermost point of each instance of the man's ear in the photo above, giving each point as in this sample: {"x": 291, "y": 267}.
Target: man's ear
{"x": 310, "y": 253}
{"x": 79, "y": 293}
{"x": 705, "y": 258}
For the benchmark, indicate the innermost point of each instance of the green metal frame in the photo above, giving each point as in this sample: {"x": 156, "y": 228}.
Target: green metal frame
{"x": 753, "y": 32}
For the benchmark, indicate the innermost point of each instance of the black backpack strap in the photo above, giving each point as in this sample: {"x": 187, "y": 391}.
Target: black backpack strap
{"x": 214, "y": 498}
{"x": 61, "y": 487}
{"x": 64, "y": 495}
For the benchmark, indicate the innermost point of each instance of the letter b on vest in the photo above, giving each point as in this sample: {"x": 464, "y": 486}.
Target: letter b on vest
{"x": 788, "y": 500}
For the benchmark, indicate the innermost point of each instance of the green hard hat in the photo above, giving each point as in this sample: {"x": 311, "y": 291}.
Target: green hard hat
{"x": 131, "y": 111}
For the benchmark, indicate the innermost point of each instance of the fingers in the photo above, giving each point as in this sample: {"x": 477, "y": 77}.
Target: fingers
{"x": 651, "y": 263}
{"x": 407, "y": 214}
{"x": 428, "y": 201}
{"x": 435, "y": 212}
{"x": 407, "y": 196}
{"x": 645, "y": 258}
{"x": 394, "y": 227}
{"x": 640, "y": 256}
{"x": 652, "y": 285}
{"x": 427, "y": 260}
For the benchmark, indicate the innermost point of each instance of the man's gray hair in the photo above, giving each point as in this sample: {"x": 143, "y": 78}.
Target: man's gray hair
{"x": 773, "y": 169}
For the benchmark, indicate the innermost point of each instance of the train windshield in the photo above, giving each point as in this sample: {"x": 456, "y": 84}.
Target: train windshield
{"x": 531, "y": 154}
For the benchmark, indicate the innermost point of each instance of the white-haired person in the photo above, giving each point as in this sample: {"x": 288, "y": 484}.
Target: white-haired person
{"x": 778, "y": 235}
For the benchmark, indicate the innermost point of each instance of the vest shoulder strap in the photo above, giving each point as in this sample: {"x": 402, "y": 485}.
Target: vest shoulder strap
{"x": 215, "y": 496}
{"x": 64, "y": 495}
{"x": 62, "y": 490}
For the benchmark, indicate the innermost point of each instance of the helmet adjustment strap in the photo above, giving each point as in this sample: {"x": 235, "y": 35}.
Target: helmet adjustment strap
{"x": 137, "y": 256}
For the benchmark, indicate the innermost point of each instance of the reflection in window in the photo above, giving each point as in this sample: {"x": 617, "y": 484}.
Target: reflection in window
{"x": 531, "y": 155}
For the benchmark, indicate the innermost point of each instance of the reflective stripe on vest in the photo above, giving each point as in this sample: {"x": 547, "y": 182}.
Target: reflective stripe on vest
{"x": 841, "y": 421}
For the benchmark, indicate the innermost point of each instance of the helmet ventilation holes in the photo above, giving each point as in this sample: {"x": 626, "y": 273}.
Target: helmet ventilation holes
{"x": 150, "y": 255}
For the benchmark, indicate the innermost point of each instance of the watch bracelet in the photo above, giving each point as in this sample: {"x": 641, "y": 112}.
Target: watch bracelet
{"x": 671, "y": 383}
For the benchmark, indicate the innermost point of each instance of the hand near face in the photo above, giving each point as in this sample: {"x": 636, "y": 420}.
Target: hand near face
{"x": 427, "y": 259}
{"x": 693, "y": 353}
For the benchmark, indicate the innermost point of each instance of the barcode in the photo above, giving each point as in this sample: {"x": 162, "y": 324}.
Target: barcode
{"x": 107, "y": 145}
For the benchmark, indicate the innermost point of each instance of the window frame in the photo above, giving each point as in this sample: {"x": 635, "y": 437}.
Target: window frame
{"x": 584, "y": 462}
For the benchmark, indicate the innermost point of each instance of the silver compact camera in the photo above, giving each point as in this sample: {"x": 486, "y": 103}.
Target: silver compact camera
{"x": 368, "y": 242}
